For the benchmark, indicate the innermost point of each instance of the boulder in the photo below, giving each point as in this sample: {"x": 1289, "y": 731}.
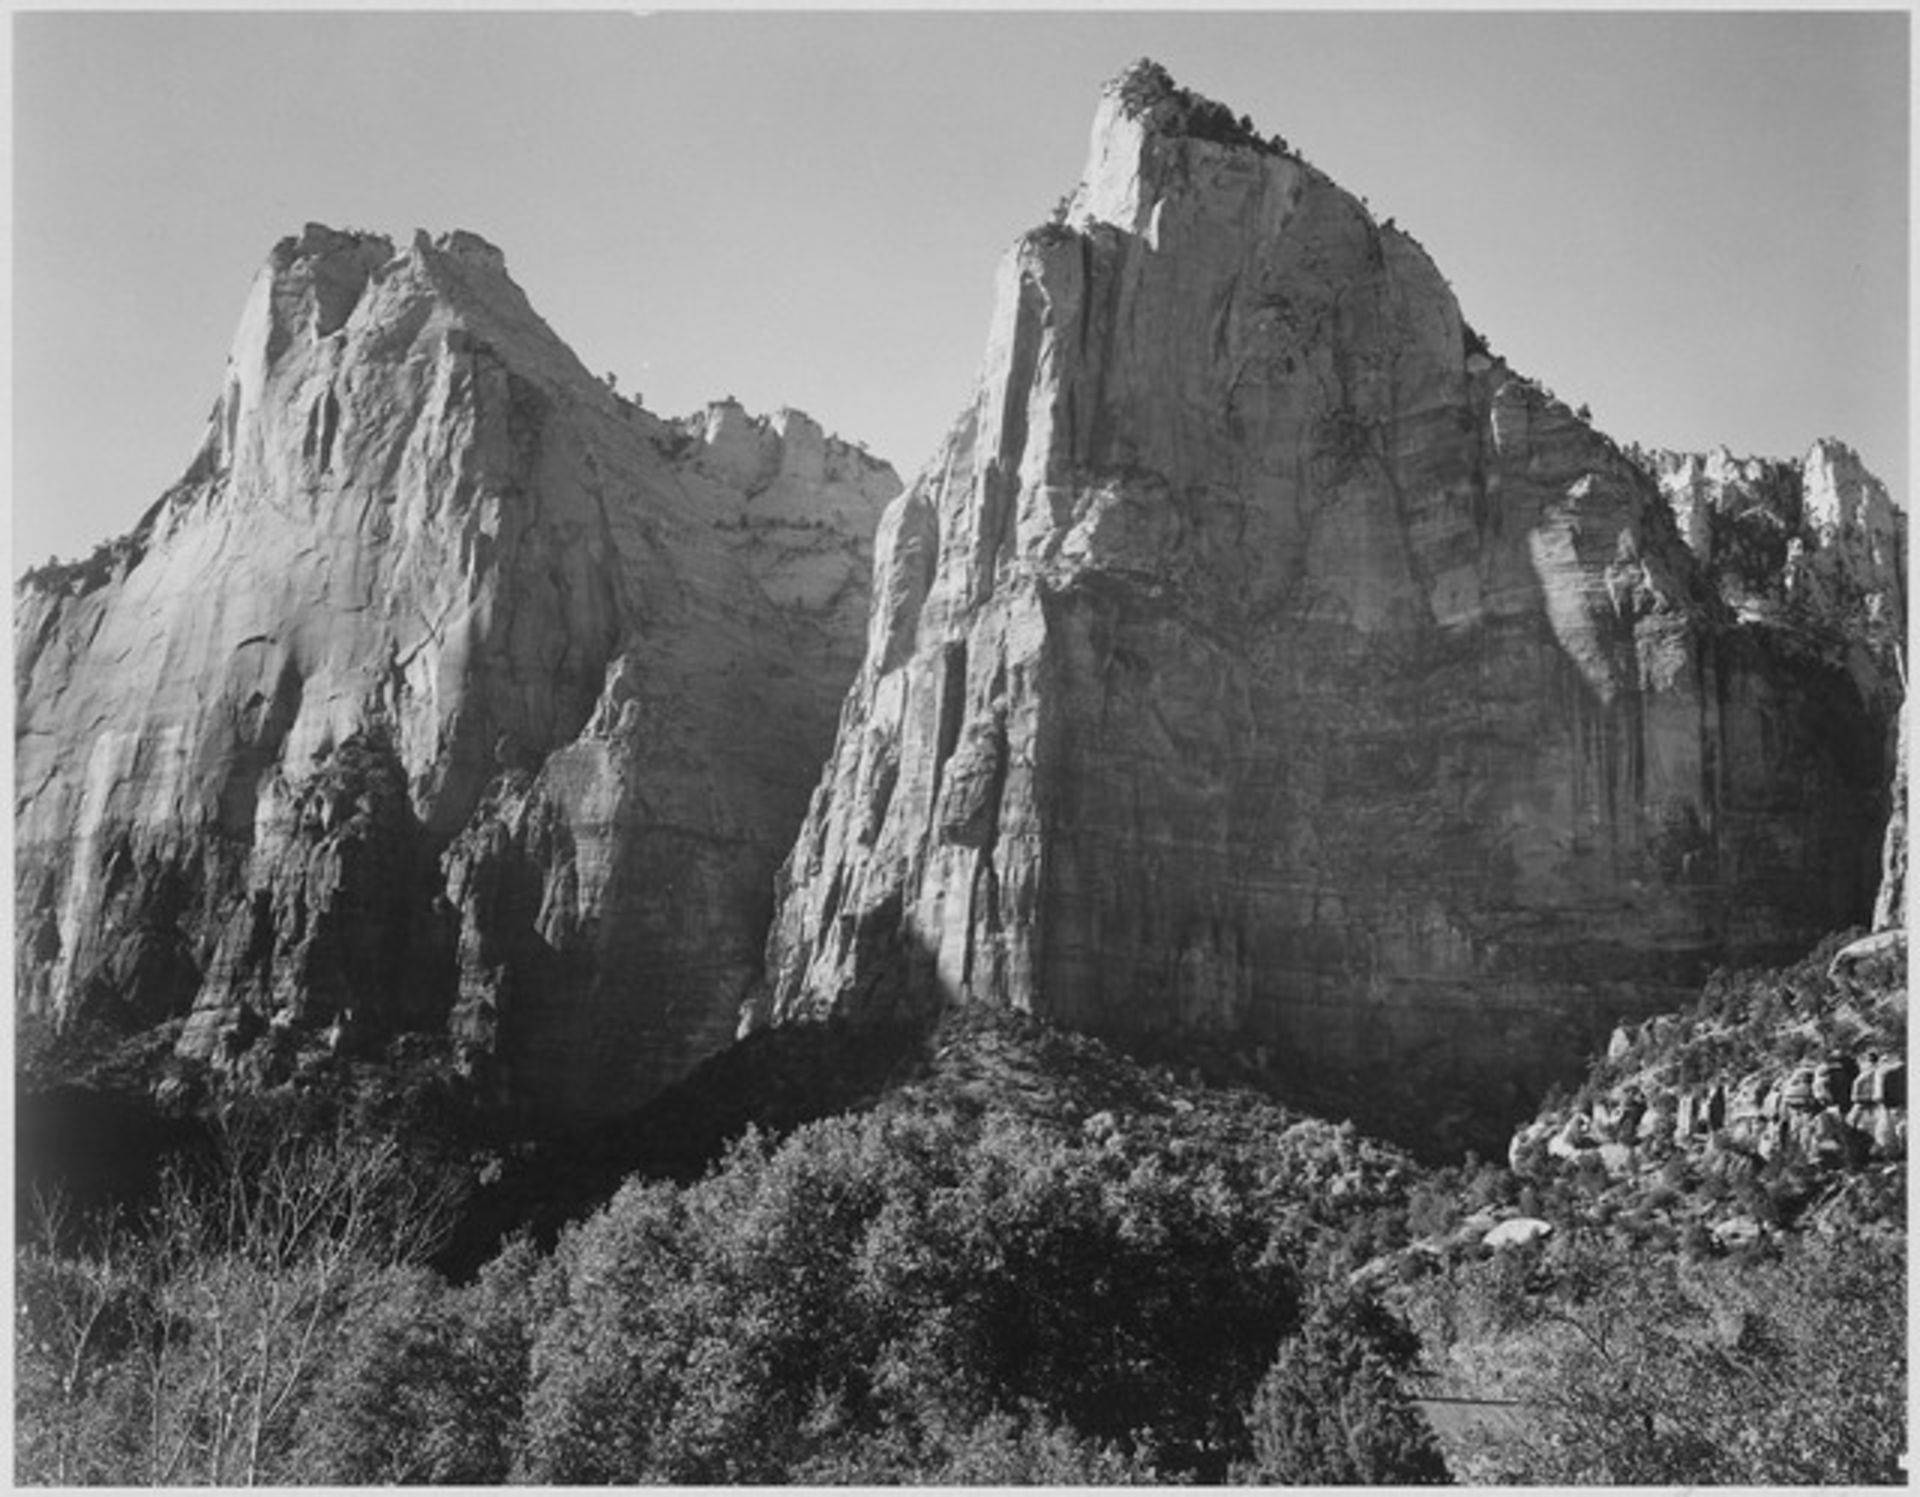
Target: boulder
{"x": 1518, "y": 1231}
{"x": 1890, "y": 1133}
{"x": 1830, "y": 1143}
{"x": 1620, "y": 1159}
{"x": 1573, "y": 1139}
{"x": 1658, "y": 1124}
{"x": 1737, "y": 1232}
{"x": 1882, "y": 943}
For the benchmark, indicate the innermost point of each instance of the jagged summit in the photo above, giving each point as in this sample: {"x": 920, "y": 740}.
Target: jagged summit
{"x": 1264, "y": 666}
{"x": 324, "y": 250}
{"x": 1154, "y": 143}
{"x": 314, "y": 281}
{"x": 448, "y": 692}
{"x": 1793, "y": 539}
{"x": 323, "y": 302}
{"x": 1146, "y": 92}
{"x": 323, "y": 298}
{"x": 1259, "y": 667}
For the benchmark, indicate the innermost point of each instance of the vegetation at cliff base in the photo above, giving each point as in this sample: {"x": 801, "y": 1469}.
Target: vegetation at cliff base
{"x": 1029, "y": 1260}
{"x": 926, "y": 1293}
{"x": 1786, "y": 1367}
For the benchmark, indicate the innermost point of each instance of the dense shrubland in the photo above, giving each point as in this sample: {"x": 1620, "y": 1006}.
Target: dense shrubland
{"x": 1023, "y": 1258}
{"x": 930, "y": 1292}
{"x": 1786, "y": 1366}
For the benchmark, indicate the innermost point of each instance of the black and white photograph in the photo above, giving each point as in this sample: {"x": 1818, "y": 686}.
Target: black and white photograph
{"x": 959, "y": 747}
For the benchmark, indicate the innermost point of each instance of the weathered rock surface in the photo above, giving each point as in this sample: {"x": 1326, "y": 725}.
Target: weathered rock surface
{"x": 1814, "y": 547}
{"x": 446, "y": 685}
{"x": 1262, "y": 661}
{"x": 1788, "y": 1085}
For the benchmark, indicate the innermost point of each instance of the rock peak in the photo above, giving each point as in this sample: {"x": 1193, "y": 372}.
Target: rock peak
{"x": 1178, "y": 716}
{"x": 370, "y": 719}
{"x": 1154, "y": 141}
{"x": 1146, "y": 92}
{"x": 463, "y": 245}
{"x": 318, "y": 241}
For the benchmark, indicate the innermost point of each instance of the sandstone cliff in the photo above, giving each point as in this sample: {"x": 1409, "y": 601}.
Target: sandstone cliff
{"x": 446, "y": 686}
{"x": 1816, "y": 550}
{"x": 1814, "y": 547}
{"x": 1262, "y": 661}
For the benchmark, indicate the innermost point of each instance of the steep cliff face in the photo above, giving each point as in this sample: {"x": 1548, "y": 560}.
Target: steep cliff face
{"x": 1814, "y": 547}
{"x": 1814, "y": 553}
{"x": 445, "y": 683}
{"x": 1261, "y": 661}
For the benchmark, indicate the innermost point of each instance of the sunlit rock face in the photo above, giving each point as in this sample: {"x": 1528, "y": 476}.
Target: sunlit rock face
{"x": 446, "y": 687}
{"x": 1262, "y": 662}
{"x": 1813, "y": 547}
{"x": 1814, "y": 550}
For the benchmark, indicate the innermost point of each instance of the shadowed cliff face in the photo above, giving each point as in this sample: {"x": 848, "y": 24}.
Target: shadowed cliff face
{"x": 1263, "y": 663}
{"x": 446, "y": 685}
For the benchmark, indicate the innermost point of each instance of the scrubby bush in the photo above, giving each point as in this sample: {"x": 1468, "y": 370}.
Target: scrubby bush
{"x": 1770, "y": 1368}
{"x": 426, "y": 1384}
{"x": 1147, "y": 89}
{"x": 182, "y": 1347}
{"x": 1333, "y": 1409}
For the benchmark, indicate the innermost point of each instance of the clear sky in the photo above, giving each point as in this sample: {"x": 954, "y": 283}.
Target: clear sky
{"x": 1697, "y": 224}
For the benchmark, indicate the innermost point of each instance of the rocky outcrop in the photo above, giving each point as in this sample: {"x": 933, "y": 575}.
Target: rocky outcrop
{"x": 1844, "y": 1110}
{"x": 1815, "y": 548}
{"x": 446, "y": 686}
{"x": 1778, "y": 1098}
{"x": 1261, "y": 661}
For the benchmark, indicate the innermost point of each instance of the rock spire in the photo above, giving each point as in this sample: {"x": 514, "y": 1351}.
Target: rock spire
{"x": 1262, "y": 665}
{"x": 447, "y": 690}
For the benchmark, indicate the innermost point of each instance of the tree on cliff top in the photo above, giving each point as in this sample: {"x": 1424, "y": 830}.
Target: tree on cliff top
{"x": 1149, "y": 92}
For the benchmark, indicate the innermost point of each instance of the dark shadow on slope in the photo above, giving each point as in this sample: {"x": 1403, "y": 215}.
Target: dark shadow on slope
{"x": 88, "y": 1153}
{"x": 776, "y": 1081}
{"x": 1436, "y": 1120}
{"x": 89, "y": 1140}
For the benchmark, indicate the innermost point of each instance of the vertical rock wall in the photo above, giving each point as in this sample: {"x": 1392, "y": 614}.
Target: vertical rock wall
{"x": 1262, "y": 663}
{"x": 444, "y": 680}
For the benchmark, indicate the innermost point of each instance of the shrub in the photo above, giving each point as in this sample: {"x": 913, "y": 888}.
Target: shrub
{"x": 1332, "y": 1410}
{"x": 892, "y": 1293}
{"x": 1764, "y": 1371}
{"x": 183, "y": 1349}
{"x": 427, "y": 1384}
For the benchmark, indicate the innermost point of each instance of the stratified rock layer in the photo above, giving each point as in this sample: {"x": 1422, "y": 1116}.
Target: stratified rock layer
{"x": 1263, "y": 663}
{"x": 445, "y": 685}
